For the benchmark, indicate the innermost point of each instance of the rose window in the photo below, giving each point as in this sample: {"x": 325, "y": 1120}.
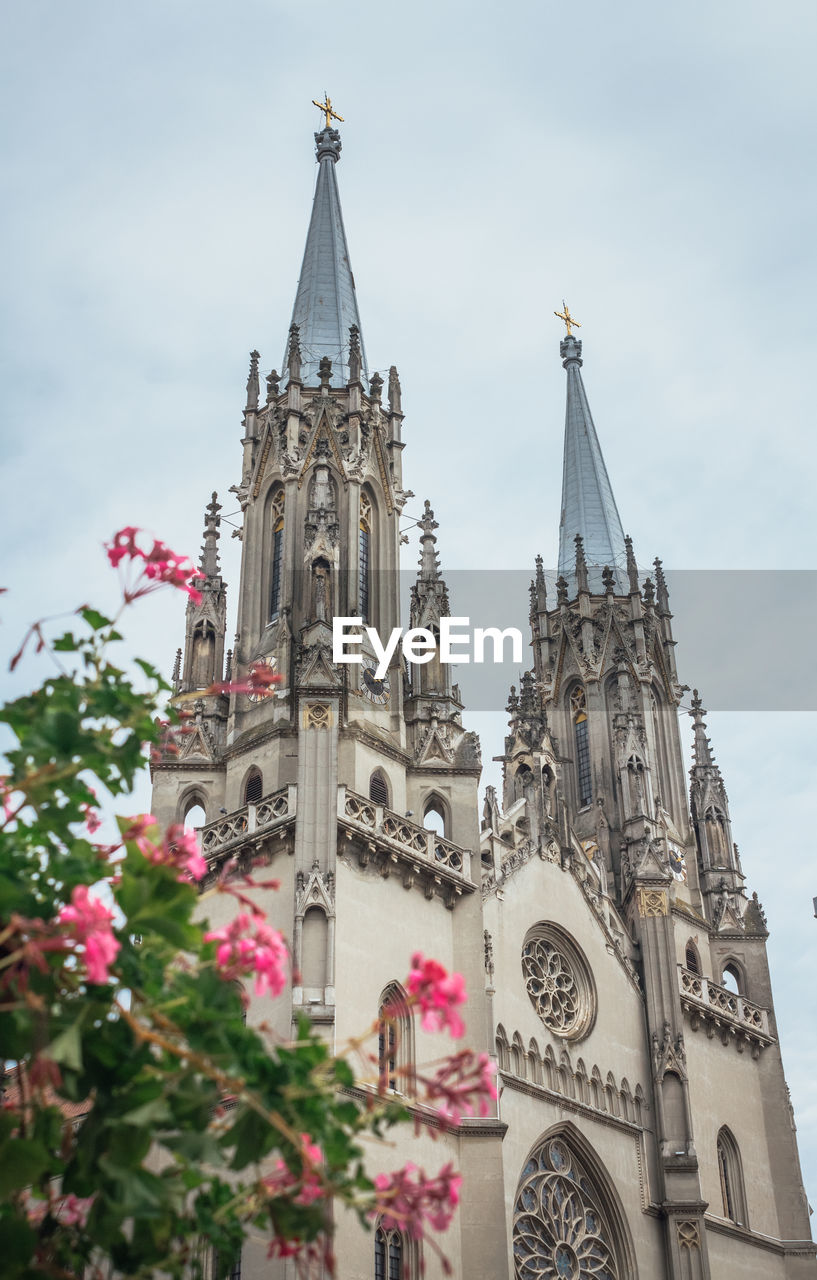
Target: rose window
{"x": 558, "y": 983}
{"x": 560, "y": 1231}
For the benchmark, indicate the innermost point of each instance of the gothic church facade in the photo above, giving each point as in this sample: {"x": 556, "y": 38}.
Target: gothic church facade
{"x": 615, "y": 961}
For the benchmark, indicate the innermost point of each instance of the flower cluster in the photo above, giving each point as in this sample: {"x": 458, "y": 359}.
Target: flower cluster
{"x": 438, "y": 993}
{"x": 179, "y": 848}
{"x": 250, "y": 946}
{"x": 157, "y": 566}
{"x": 88, "y": 922}
{"x": 464, "y": 1085}
{"x": 70, "y": 1210}
{"x": 282, "y": 1180}
{"x": 258, "y": 682}
{"x": 407, "y": 1200}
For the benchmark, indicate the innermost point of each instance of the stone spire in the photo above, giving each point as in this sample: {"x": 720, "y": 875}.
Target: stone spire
{"x": 209, "y": 565}
{"x": 325, "y": 302}
{"x": 429, "y": 559}
{"x": 252, "y": 384}
{"x": 701, "y": 746}
{"x": 588, "y": 505}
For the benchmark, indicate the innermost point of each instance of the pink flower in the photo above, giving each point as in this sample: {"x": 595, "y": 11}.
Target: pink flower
{"x": 407, "y": 1203}
{"x": 179, "y": 848}
{"x": 259, "y": 680}
{"x": 282, "y": 1180}
{"x": 262, "y": 952}
{"x": 464, "y": 1085}
{"x": 88, "y": 922}
{"x": 74, "y": 1210}
{"x": 157, "y": 567}
{"x": 438, "y": 993}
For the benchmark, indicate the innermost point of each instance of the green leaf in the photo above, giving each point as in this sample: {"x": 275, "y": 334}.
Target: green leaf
{"x": 67, "y": 1047}
{"x": 96, "y": 620}
{"x": 22, "y": 1162}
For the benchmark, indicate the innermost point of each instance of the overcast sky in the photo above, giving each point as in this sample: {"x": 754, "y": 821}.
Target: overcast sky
{"x": 651, "y": 164}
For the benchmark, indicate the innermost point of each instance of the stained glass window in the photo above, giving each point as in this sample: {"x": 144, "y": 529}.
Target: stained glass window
{"x": 277, "y": 566}
{"x": 561, "y": 1230}
{"x": 579, "y": 709}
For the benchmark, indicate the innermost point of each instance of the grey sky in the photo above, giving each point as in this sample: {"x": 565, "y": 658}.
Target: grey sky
{"x": 652, "y": 164}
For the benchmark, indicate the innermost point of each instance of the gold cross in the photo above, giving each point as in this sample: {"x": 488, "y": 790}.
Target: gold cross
{"x": 326, "y": 108}
{"x": 567, "y": 317}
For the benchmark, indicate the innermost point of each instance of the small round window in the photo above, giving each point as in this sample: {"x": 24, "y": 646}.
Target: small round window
{"x": 558, "y": 982}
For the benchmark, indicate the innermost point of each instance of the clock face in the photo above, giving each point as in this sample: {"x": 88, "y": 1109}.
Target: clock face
{"x": 677, "y": 863}
{"x": 269, "y": 661}
{"x": 377, "y": 691}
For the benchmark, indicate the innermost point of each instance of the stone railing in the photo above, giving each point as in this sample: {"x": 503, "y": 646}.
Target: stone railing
{"x": 723, "y": 1009}
{"x": 248, "y": 823}
{"x": 399, "y": 835}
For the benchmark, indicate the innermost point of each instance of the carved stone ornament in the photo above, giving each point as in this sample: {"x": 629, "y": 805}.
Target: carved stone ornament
{"x": 317, "y": 715}
{"x": 652, "y": 902}
{"x": 558, "y": 982}
{"x": 689, "y": 1236}
{"x": 560, "y": 1230}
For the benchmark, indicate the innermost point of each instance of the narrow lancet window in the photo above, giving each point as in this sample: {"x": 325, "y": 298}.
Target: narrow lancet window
{"x": 388, "y": 1255}
{"x": 277, "y": 555}
{"x": 364, "y": 550}
{"x": 578, "y": 706}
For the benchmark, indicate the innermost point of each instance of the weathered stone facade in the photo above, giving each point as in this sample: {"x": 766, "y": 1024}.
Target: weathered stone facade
{"x": 615, "y": 962}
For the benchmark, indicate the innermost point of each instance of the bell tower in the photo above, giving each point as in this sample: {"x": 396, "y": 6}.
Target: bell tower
{"x": 357, "y": 786}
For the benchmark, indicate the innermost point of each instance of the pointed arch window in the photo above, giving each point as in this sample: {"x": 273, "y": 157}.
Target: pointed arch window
{"x": 561, "y": 1225}
{"x": 364, "y": 556}
{"x": 395, "y": 1057}
{"x": 277, "y": 554}
{"x": 379, "y": 788}
{"x": 731, "y": 1178}
{"x": 578, "y": 708}
{"x": 389, "y": 1254}
{"x": 691, "y": 958}
{"x": 253, "y": 787}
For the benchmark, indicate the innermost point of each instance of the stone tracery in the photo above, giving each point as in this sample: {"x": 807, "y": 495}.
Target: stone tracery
{"x": 560, "y": 1229}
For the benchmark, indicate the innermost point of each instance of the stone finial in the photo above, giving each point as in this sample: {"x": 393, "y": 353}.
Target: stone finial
{"x": 513, "y": 702}
{"x": 325, "y": 373}
{"x": 632, "y": 567}
{"x": 176, "y": 678}
{"x": 294, "y": 354}
{"x": 570, "y": 349}
{"x": 581, "y": 564}
{"x": 527, "y": 700}
{"x": 228, "y": 666}
{"x": 252, "y": 384}
{"x": 429, "y": 561}
{"x": 561, "y": 590}
{"x": 395, "y": 392}
{"x": 609, "y": 580}
{"x": 701, "y": 746}
{"x": 376, "y": 387}
{"x": 355, "y": 358}
{"x": 209, "y": 565}
{"x": 649, "y": 594}
{"x": 661, "y": 584}
{"x": 328, "y": 145}
{"x": 273, "y": 383}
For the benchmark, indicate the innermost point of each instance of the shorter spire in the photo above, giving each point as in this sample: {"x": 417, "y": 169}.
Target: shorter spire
{"x": 701, "y": 747}
{"x": 581, "y": 564}
{"x": 294, "y": 354}
{"x": 252, "y": 384}
{"x": 273, "y": 381}
{"x": 632, "y": 567}
{"x": 355, "y": 357}
{"x": 661, "y": 584}
{"x": 209, "y": 565}
{"x": 395, "y": 392}
{"x": 429, "y": 559}
{"x": 376, "y": 386}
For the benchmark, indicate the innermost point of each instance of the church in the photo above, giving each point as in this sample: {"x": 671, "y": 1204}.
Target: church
{"x": 613, "y": 952}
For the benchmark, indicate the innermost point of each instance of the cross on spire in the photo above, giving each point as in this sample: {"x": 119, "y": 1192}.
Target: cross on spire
{"x": 565, "y": 315}
{"x": 326, "y": 108}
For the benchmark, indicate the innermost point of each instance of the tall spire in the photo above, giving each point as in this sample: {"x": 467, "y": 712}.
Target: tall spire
{"x": 588, "y": 505}
{"x": 325, "y": 302}
{"x": 209, "y": 567}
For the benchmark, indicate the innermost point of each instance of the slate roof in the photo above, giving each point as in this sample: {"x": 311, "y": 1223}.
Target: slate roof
{"x": 325, "y": 301}
{"x": 588, "y": 505}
